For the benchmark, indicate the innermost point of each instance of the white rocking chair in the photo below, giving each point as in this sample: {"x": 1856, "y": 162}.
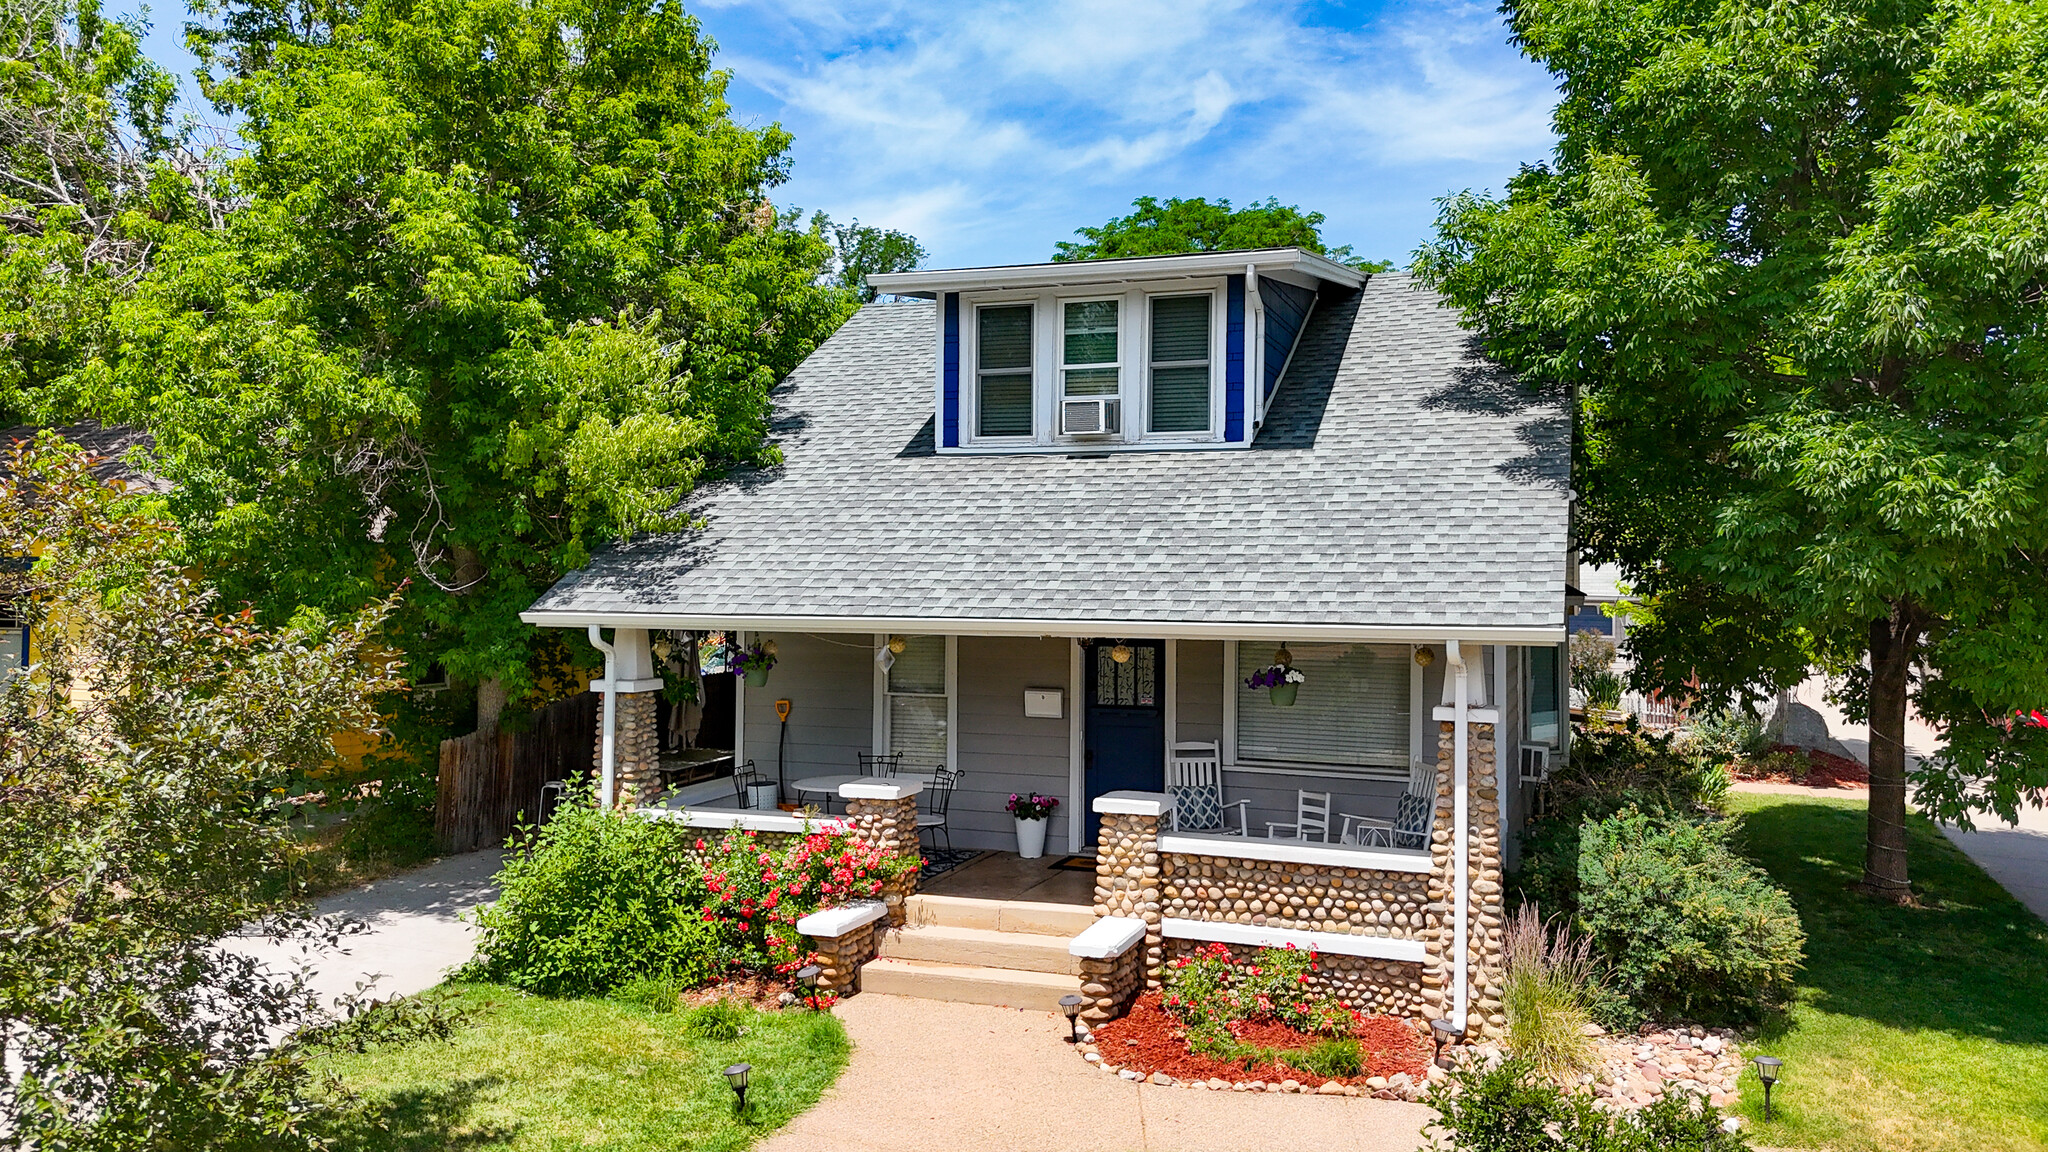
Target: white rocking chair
{"x": 1194, "y": 778}
{"x": 1311, "y": 819}
{"x": 1413, "y": 816}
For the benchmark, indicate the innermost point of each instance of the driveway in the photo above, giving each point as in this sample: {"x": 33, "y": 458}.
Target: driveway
{"x": 414, "y": 935}
{"x": 927, "y": 1074}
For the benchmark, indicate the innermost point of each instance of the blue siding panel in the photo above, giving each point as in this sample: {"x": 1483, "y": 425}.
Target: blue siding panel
{"x": 949, "y": 420}
{"x": 1286, "y": 309}
{"x": 1233, "y": 364}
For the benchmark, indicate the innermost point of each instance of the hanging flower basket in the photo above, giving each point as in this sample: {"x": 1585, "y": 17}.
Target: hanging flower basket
{"x": 1281, "y": 682}
{"x": 754, "y": 661}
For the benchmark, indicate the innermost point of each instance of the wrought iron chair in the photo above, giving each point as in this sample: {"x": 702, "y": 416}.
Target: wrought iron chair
{"x": 883, "y": 765}
{"x": 745, "y": 778}
{"x": 1311, "y": 819}
{"x": 938, "y": 799}
{"x": 1194, "y": 778}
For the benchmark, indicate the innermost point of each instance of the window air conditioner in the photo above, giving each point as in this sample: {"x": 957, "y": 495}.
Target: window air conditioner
{"x": 1535, "y": 763}
{"x": 1097, "y": 417}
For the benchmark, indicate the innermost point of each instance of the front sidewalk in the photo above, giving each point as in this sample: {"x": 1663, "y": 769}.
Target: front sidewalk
{"x": 928, "y": 1074}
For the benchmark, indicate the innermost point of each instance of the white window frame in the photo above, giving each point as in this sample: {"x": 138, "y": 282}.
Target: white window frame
{"x": 882, "y": 694}
{"x": 1528, "y": 697}
{"x": 970, "y": 361}
{"x": 1218, "y": 322}
{"x": 1123, "y": 343}
{"x": 1232, "y": 763}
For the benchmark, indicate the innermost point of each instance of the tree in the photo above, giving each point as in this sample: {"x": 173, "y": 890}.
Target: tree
{"x": 504, "y": 284}
{"x": 861, "y": 250}
{"x": 1156, "y": 229}
{"x": 145, "y": 757}
{"x": 91, "y": 169}
{"x": 1791, "y": 261}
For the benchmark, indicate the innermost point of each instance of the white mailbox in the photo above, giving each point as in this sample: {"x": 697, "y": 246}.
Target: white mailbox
{"x": 1045, "y": 702}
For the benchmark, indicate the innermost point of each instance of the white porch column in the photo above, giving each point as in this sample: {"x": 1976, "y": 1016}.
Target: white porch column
{"x": 628, "y": 671}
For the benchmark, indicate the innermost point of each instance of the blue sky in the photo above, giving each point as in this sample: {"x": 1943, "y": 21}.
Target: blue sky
{"x": 992, "y": 130}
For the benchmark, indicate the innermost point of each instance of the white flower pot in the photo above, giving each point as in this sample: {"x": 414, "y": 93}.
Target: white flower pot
{"x": 1030, "y": 838}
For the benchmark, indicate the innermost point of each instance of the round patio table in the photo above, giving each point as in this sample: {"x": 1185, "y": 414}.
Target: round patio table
{"x": 827, "y": 785}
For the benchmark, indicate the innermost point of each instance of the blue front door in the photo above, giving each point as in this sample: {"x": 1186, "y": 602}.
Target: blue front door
{"x": 1125, "y": 720}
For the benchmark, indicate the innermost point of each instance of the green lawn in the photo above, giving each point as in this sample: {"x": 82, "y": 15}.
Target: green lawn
{"x": 1915, "y": 1028}
{"x": 527, "y": 1073}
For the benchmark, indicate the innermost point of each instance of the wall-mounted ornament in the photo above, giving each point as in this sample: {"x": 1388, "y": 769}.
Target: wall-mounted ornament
{"x": 1121, "y": 653}
{"x": 1424, "y": 657}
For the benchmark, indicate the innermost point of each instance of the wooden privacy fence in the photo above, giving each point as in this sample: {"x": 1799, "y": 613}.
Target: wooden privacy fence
{"x": 488, "y": 779}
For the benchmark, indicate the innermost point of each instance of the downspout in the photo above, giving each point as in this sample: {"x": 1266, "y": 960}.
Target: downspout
{"x": 1461, "y": 751}
{"x": 608, "y": 758}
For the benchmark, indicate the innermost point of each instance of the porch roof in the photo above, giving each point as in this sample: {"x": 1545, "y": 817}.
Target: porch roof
{"x": 1401, "y": 487}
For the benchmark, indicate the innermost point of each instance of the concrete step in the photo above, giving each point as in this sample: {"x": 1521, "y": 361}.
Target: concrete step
{"x": 1004, "y": 987}
{"x": 1000, "y": 915}
{"x": 980, "y": 947}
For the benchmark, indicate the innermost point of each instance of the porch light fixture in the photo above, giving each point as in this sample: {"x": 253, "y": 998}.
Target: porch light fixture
{"x": 808, "y": 977}
{"x": 1071, "y": 1005}
{"x": 897, "y": 644}
{"x": 1444, "y": 1033}
{"x": 1121, "y": 653}
{"x": 1424, "y": 657}
{"x": 1767, "y": 1071}
{"x": 737, "y": 1077}
{"x": 1283, "y": 657}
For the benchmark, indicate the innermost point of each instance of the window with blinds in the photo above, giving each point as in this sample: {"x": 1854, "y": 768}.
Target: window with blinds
{"x": 1541, "y": 675}
{"x": 1002, "y": 358}
{"x": 1179, "y": 364}
{"x": 1088, "y": 348}
{"x": 917, "y": 703}
{"x": 1350, "y": 713}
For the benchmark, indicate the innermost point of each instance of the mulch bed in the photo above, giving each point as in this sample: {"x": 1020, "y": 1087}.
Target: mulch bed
{"x": 753, "y": 990}
{"x": 1824, "y": 769}
{"x": 1148, "y": 1040}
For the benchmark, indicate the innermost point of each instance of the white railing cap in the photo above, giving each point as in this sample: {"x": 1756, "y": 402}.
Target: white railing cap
{"x": 898, "y": 788}
{"x": 1107, "y": 937}
{"x": 1134, "y": 803}
{"x": 1338, "y": 943}
{"x": 826, "y": 923}
{"x": 1297, "y": 852}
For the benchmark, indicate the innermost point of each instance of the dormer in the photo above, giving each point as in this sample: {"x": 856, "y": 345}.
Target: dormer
{"x": 1156, "y": 352}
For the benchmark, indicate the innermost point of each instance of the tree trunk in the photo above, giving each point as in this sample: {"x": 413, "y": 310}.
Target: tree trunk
{"x": 490, "y": 693}
{"x": 1894, "y": 643}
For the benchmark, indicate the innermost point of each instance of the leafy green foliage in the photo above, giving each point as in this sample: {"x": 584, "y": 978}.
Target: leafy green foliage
{"x": 1209, "y": 991}
{"x": 1511, "y": 1108}
{"x": 721, "y": 1019}
{"x": 504, "y": 285}
{"x": 1164, "y": 229}
{"x": 601, "y": 899}
{"x": 1688, "y": 928}
{"x": 1788, "y": 259}
{"x": 1327, "y": 1059}
{"x": 860, "y": 250}
{"x": 1729, "y": 734}
{"x": 144, "y": 760}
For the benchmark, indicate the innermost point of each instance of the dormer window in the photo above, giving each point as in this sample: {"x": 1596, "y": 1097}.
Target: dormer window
{"x": 1181, "y": 371}
{"x": 1003, "y": 354}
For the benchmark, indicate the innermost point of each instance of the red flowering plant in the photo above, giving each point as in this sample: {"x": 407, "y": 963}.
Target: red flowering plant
{"x": 753, "y": 891}
{"x": 1210, "y": 991}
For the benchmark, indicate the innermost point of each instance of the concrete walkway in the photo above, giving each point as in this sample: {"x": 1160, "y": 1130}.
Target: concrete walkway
{"x": 414, "y": 935}
{"x": 927, "y": 1074}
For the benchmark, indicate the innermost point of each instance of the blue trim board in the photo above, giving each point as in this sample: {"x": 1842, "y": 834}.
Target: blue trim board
{"x": 949, "y": 420}
{"x": 1286, "y": 307}
{"x": 1233, "y": 363}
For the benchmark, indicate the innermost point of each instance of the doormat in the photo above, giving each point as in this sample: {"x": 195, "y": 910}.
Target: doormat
{"x": 939, "y": 861}
{"x": 1073, "y": 864}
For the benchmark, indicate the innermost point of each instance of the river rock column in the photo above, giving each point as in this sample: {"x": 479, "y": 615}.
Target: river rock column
{"x": 638, "y": 750}
{"x": 1484, "y": 944}
{"x": 1129, "y": 871}
{"x": 883, "y": 813}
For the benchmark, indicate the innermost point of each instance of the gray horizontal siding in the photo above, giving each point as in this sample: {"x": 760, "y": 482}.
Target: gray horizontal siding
{"x": 1002, "y": 750}
{"x": 831, "y": 692}
{"x": 1199, "y": 699}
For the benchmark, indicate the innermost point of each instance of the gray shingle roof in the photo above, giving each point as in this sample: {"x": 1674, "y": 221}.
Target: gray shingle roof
{"x": 1399, "y": 481}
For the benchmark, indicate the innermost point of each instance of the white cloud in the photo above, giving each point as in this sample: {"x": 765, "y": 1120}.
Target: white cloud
{"x": 968, "y": 123}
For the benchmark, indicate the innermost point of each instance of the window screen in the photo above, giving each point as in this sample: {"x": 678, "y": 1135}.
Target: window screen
{"x": 1180, "y": 364}
{"x": 917, "y": 703}
{"x": 13, "y": 646}
{"x": 1350, "y": 712}
{"x": 1003, "y": 365}
{"x": 1543, "y": 710}
{"x": 1088, "y": 350}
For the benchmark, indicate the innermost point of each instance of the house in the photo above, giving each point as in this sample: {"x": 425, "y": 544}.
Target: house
{"x": 1037, "y": 525}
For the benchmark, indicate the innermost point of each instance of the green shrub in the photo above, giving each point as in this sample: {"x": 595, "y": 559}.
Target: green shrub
{"x": 1209, "y": 991}
{"x": 599, "y": 900}
{"x": 1689, "y": 929}
{"x": 1551, "y": 987}
{"x": 1511, "y": 1108}
{"x": 1730, "y": 734}
{"x": 1330, "y": 1060}
{"x": 722, "y": 1019}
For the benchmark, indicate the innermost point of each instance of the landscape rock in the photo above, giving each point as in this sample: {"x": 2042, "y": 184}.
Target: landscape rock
{"x": 1330, "y": 1088}
{"x": 1161, "y": 1079}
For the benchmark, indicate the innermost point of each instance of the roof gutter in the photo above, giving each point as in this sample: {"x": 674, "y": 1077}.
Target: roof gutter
{"x": 608, "y": 759}
{"x": 1008, "y": 626}
{"x": 1082, "y": 272}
